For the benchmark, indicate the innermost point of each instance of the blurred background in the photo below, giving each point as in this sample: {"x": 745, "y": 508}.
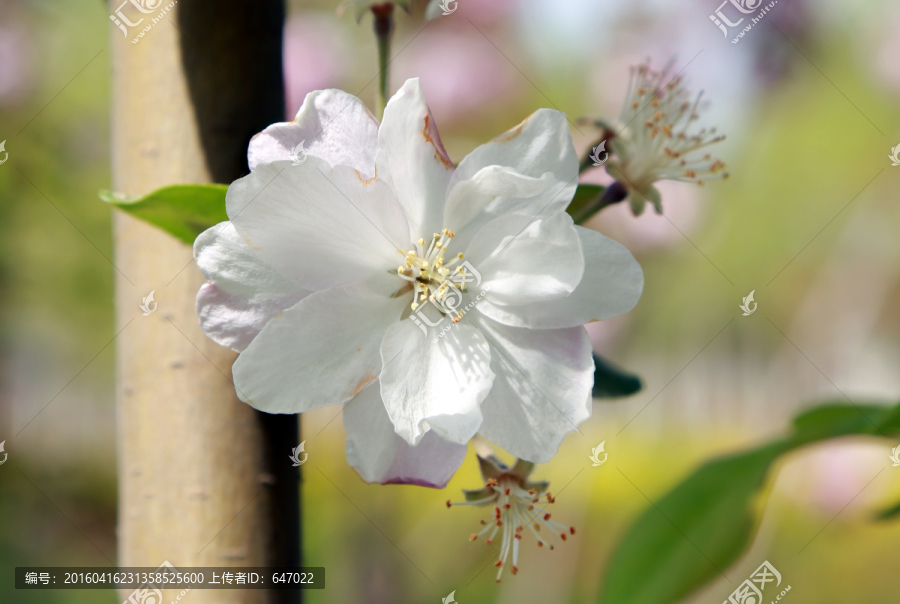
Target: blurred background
{"x": 808, "y": 219}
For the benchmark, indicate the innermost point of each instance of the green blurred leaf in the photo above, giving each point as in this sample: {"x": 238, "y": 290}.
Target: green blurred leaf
{"x": 612, "y": 382}
{"x": 889, "y": 513}
{"x": 183, "y": 211}
{"x": 585, "y": 197}
{"x": 831, "y": 420}
{"x": 702, "y": 526}
{"x": 890, "y": 421}
{"x": 693, "y": 533}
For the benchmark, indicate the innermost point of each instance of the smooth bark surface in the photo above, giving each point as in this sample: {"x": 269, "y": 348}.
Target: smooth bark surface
{"x": 204, "y": 480}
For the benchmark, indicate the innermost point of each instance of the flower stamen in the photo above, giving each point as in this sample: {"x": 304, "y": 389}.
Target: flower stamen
{"x": 434, "y": 278}
{"x": 659, "y": 144}
{"x": 513, "y": 511}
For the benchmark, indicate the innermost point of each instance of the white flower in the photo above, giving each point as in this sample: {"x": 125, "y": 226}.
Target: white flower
{"x": 657, "y": 141}
{"x": 304, "y": 283}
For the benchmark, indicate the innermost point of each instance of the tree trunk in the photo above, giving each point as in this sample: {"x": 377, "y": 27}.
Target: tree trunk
{"x": 204, "y": 479}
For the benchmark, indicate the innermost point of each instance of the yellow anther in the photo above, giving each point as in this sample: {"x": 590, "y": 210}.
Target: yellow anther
{"x": 400, "y": 270}
{"x": 459, "y": 256}
{"x": 421, "y": 241}
{"x": 414, "y": 305}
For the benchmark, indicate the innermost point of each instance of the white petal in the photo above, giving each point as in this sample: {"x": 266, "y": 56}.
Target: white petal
{"x": 435, "y": 385}
{"x": 523, "y": 259}
{"x": 492, "y": 192}
{"x": 226, "y": 260}
{"x": 322, "y": 351}
{"x": 611, "y": 286}
{"x": 412, "y": 159}
{"x": 242, "y": 292}
{"x": 378, "y": 455}
{"x": 317, "y": 225}
{"x": 539, "y": 145}
{"x": 542, "y": 389}
{"x": 233, "y": 320}
{"x": 331, "y": 124}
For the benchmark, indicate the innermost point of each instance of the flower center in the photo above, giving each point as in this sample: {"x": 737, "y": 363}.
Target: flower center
{"x": 664, "y": 148}
{"x": 514, "y": 511}
{"x": 432, "y": 277}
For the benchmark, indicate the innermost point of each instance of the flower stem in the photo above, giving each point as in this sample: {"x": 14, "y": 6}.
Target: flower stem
{"x": 615, "y": 193}
{"x": 586, "y": 164}
{"x": 384, "y": 28}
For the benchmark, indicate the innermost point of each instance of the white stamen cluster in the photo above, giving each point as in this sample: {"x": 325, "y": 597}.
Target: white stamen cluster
{"x": 656, "y": 143}
{"x": 426, "y": 269}
{"x": 514, "y": 511}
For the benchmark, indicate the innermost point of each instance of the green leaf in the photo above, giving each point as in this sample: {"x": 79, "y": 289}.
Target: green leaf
{"x": 889, "y": 513}
{"x": 831, "y": 420}
{"x": 585, "y": 197}
{"x": 693, "y": 533}
{"x": 703, "y": 525}
{"x": 612, "y": 382}
{"x": 183, "y": 211}
{"x": 890, "y": 421}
